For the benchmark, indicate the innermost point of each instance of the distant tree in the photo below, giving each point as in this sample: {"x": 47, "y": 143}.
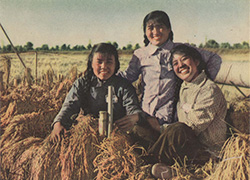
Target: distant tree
{"x": 57, "y": 48}
{"x": 124, "y": 48}
{"x": 8, "y": 48}
{"x": 137, "y": 46}
{"x": 89, "y": 46}
{"x": 63, "y": 47}
{"x": 45, "y": 47}
{"x": 19, "y": 48}
{"x": 115, "y": 44}
{"x": 68, "y": 48}
{"x": 129, "y": 47}
{"x": 245, "y": 45}
{"x": 28, "y": 46}
{"x": 237, "y": 46}
{"x": 4, "y": 49}
{"x": 192, "y": 44}
{"x": 211, "y": 44}
{"x": 201, "y": 45}
{"x": 81, "y": 48}
{"x": 75, "y": 48}
{"x": 225, "y": 45}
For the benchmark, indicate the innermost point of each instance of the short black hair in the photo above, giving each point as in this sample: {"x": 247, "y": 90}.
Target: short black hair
{"x": 190, "y": 51}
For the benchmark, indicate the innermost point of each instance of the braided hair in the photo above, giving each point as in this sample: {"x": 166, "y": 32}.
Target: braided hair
{"x": 159, "y": 17}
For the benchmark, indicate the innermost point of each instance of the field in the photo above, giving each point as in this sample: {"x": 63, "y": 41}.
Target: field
{"x": 63, "y": 63}
{"x": 28, "y": 110}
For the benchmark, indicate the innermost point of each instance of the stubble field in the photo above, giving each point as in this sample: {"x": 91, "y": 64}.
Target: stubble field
{"x": 62, "y": 63}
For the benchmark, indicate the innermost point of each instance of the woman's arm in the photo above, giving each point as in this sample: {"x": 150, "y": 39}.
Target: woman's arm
{"x": 133, "y": 110}
{"x": 133, "y": 70}
{"x": 71, "y": 105}
{"x": 213, "y": 62}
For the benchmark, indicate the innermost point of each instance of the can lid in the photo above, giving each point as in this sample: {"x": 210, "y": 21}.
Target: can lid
{"x": 102, "y": 112}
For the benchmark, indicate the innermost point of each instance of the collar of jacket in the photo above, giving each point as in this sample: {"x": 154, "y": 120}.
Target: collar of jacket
{"x": 99, "y": 83}
{"x": 198, "y": 81}
{"x": 168, "y": 45}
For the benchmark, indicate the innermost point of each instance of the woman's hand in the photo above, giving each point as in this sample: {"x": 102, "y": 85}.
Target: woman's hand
{"x": 56, "y": 133}
{"x": 154, "y": 123}
{"x": 127, "y": 122}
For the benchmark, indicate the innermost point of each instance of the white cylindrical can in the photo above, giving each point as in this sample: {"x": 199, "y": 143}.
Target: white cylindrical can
{"x": 103, "y": 116}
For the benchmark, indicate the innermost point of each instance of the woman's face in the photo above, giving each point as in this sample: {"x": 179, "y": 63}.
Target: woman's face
{"x": 103, "y": 65}
{"x": 185, "y": 67}
{"x": 157, "y": 33}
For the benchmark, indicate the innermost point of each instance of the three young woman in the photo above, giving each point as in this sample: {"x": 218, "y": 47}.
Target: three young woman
{"x": 201, "y": 107}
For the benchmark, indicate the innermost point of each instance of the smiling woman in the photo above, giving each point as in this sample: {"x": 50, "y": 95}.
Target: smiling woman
{"x": 103, "y": 65}
{"x": 89, "y": 92}
{"x": 187, "y": 62}
{"x": 201, "y": 111}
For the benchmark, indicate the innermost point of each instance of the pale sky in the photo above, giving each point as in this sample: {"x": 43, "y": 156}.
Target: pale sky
{"x": 76, "y": 22}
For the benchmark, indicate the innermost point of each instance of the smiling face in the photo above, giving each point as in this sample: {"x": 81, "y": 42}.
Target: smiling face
{"x": 185, "y": 67}
{"x": 157, "y": 33}
{"x": 103, "y": 65}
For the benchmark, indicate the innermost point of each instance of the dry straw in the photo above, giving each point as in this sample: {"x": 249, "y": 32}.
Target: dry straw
{"x": 235, "y": 159}
{"x": 27, "y": 153}
{"x": 117, "y": 159}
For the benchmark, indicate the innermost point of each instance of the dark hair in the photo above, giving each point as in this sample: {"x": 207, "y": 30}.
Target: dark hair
{"x": 160, "y": 17}
{"x": 186, "y": 50}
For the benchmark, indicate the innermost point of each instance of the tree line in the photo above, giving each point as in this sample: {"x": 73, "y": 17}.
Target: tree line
{"x": 45, "y": 47}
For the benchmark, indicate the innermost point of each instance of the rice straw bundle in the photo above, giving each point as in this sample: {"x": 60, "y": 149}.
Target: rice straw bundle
{"x": 45, "y": 164}
{"x": 63, "y": 88}
{"x": 117, "y": 159}
{"x": 235, "y": 162}
{"x": 15, "y": 159}
{"x": 27, "y": 100}
{"x": 26, "y": 125}
{"x": 240, "y": 115}
{"x": 6, "y": 61}
{"x": 77, "y": 155}
{"x": 28, "y": 79}
{"x": 192, "y": 171}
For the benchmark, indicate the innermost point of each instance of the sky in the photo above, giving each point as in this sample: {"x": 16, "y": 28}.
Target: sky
{"x": 80, "y": 22}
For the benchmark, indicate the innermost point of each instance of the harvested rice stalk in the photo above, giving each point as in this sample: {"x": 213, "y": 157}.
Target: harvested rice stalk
{"x": 15, "y": 159}
{"x": 192, "y": 171}
{"x": 73, "y": 73}
{"x": 7, "y": 65}
{"x": 77, "y": 155}
{"x": 34, "y": 124}
{"x": 72, "y": 157}
{"x": 235, "y": 162}
{"x": 28, "y": 79}
{"x": 8, "y": 114}
{"x": 26, "y": 100}
{"x": 2, "y": 88}
{"x": 46, "y": 164}
{"x": 63, "y": 87}
{"x": 240, "y": 115}
{"x": 117, "y": 159}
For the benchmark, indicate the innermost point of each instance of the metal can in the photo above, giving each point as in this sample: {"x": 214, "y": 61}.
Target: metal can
{"x": 102, "y": 124}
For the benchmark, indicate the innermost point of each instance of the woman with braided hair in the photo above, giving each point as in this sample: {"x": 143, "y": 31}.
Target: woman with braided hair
{"x": 89, "y": 93}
